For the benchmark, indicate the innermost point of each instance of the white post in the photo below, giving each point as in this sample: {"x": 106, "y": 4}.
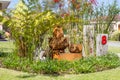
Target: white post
{"x": 88, "y": 40}
{"x": 1, "y": 27}
{"x": 101, "y": 44}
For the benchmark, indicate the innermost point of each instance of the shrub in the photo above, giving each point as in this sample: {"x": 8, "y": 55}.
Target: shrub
{"x": 115, "y": 36}
{"x": 85, "y": 65}
{"x": 2, "y": 34}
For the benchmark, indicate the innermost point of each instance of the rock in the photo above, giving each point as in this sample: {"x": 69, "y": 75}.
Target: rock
{"x": 75, "y": 48}
{"x": 58, "y": 44}
{"x": 58, "y": 32}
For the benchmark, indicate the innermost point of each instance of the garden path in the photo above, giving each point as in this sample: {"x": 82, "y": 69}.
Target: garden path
{"x": 114, "y": 43}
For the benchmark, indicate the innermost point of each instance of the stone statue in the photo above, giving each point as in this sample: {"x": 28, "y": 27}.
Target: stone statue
{"x": 58, "y": 43}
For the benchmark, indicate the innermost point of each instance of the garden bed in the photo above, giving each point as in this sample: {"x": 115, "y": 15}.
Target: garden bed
{"x": 84, "y": 65}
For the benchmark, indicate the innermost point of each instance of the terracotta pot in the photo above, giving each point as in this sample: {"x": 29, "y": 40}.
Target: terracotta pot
{"x": 68, "y": 56}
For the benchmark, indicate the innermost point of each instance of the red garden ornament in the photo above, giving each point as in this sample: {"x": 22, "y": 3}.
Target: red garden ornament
{"x": 56, "y": 1}
{"x": 104, "y": 40}
{"x": 73, "y": 1}
{"x": 65, "y": 14}
{"x": 93, "y": 2}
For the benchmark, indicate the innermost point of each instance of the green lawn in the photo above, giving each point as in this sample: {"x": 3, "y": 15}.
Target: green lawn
{"x": 6, "y": 46}
{"x": 114, "y": 49}
{"x": 113, "y": 74}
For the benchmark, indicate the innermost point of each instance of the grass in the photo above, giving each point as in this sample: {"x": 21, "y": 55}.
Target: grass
{"x": 6, "y": 46}
{"x": 113, "y": 74}
{"x": 114, "y": 49}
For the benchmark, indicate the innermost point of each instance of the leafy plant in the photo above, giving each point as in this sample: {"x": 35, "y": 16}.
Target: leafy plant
{"x": 85, "y": 65}
{"x": 104, "y": 16}
{"x": 2, "y": 34}
{"x": 115, "y": 36}
{"x": 28, "y": 26}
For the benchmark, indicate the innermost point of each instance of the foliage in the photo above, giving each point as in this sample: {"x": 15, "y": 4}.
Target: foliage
{"x": 29, "y": 24}
{"x": 102, "y": 18}
{"x": 25, "y": 23}
{"x": 31, "y": 19}
{"x": 104, "y": 15}
{"x": 115, "y": 36}
{"x": 2, "y": 34}
{"x": 80, "y": 9}
{"x": 85, "y": 65}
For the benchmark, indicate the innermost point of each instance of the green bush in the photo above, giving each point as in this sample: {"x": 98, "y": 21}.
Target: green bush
{"x": 2, "y": 33}
{"x": 115, "y": 36}
{"x": 85, "y": 65}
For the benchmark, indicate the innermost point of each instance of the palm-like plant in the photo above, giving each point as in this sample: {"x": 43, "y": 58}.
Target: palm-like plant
{"x": 28, "y": 26}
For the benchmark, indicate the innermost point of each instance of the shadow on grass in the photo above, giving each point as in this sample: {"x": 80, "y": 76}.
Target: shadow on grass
{"x": 4, "y": 54}
{"x": 29, "y": 75}
{"x": 26, "y": 76}
{"x": 32, "y": 75}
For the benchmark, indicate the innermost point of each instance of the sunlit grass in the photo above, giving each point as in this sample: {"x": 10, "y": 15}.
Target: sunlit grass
{"x": 114, "y": 49}
{"x": 113, "y": 74}
{"x": 6, "y": 46}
